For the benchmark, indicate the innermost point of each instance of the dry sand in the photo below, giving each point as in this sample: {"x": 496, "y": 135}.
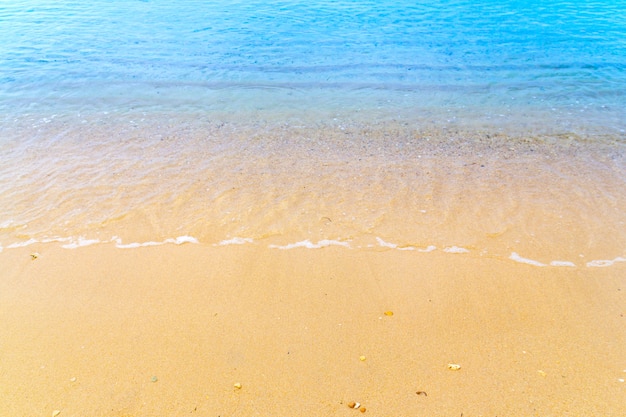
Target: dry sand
{"x": 170, "y": 330}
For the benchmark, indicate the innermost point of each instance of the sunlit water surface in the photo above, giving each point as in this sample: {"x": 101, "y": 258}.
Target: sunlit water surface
{"x": 492, "y": 126}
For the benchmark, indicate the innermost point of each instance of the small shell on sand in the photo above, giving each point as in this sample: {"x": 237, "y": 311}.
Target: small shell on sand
{"x": 454, "y": 366}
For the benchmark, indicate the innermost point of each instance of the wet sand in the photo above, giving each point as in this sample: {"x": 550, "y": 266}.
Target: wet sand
{"x": 170, "y": 330}
{"x": 547, "y": 198}
{"x": 501, "y": 254}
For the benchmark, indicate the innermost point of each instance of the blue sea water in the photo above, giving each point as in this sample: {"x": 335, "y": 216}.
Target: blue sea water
{"x": 558, "y": 63}
{"x": 488, "y": 126}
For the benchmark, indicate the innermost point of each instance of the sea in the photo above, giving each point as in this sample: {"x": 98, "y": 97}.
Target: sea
{"x": 478, "y": 128}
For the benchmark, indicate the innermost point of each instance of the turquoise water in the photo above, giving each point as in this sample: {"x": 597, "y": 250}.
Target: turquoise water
{"x": 559, "y": 65}
{"x": 493, "y": 128}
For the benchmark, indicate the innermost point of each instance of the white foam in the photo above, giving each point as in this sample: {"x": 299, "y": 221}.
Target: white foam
{"x": 121, "y": 245}
{"x": 236, "y": 241}
{"x": 386, "y": 244}
{"x": 455, "y": 249}
{"x": 73, "y": 243}
{"x": 22, "y": 244}
{"x": 182, "y": 239}
{"x": 33, "y": 241}
{"x": 310, "y": 245}
{"x": 176, "y": 241}
{"x": 562, "y": 263}
{"x": 515, "y": 257}
{"x": 408, "y": 247}
{"x": 605, "y": 262}
{"x": 138, "y": 244}
{"x": 6, "y": 224}
{"x": 56, "y": 239}
{"x": 80, "y": 242}
{"x": 428, "y": 249}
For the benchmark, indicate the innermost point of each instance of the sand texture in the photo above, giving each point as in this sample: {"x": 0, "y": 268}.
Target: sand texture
{"x": 171, "y": 330}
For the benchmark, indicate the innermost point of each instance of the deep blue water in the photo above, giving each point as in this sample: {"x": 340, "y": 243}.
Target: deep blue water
{"x": 544, "y": 62}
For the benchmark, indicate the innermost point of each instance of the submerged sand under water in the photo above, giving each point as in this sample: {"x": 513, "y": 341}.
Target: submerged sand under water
{"x": 368, "y": 185}
{"x": 152, "y": 266}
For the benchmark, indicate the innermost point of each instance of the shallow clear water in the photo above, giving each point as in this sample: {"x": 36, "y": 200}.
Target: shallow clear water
{"x": 494, "y": 126}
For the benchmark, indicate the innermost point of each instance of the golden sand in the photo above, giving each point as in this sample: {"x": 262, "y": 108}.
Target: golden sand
{"x": 468, "y": 274}
{"x": 547, "y": 198}
{"x": 245, "y": 330}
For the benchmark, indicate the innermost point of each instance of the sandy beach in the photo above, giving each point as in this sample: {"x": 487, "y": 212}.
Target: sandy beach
{"x": 231, "y": 271}
{"x": 245, "y": 330}
{"x": 312, "y": 208}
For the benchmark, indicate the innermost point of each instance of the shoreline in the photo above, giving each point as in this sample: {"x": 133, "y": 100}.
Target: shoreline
{"x": 379, "y": 246}
{"x": 238, "y": 209}
{"x": 546, "y": 199}
{"x": 152, "y": 268}
{"x": 105, "y": 331}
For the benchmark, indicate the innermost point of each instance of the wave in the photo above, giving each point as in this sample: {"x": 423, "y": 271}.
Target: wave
{"x": 81, "y": 242}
